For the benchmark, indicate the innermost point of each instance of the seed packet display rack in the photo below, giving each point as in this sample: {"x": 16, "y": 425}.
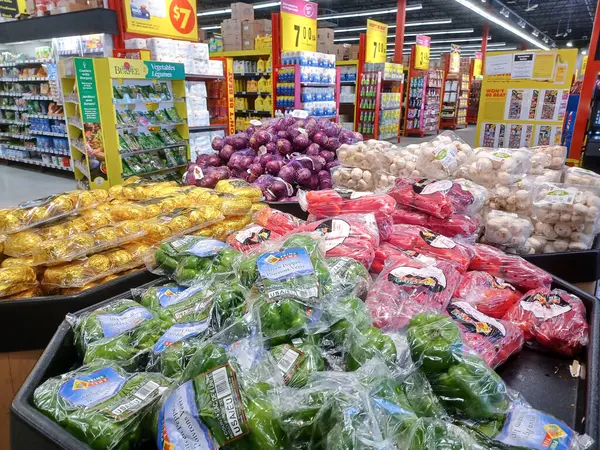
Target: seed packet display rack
{"x": 125, "y": 117}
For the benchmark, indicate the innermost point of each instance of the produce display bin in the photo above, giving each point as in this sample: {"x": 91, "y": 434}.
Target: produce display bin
{"x": 544, "y": 380}
{"x": 574, "y": 267}
{"x": 29, "y": 323}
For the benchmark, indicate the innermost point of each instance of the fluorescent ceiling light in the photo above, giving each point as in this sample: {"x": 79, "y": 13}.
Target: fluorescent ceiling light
{"x": 393, "y": 25}
{"x": 373, "y": 12}
{"x": 446, "y": 41}
{"x": 426, "y": 33}
{"x": 569, "y": 44}
{"x": 217, "y": 12}
{"x": 584, "y": 52}
{"x": 212, "y": 27}
{"x": 504, "y": 24}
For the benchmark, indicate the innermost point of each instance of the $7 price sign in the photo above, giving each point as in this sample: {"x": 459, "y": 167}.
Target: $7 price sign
{"x": 182, "y": 16}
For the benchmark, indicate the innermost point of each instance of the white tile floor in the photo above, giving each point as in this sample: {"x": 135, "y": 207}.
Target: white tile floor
{"x": 18, "y": 183}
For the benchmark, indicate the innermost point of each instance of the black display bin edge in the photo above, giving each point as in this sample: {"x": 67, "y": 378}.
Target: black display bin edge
{"x": 23, "y": 415}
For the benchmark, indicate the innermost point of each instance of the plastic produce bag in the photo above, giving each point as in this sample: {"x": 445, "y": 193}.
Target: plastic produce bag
{"x": 407, "y": 287}
{"x": 348, "y": 276}
{"x": 547, "y": 157}
{"x": 277, "y": 221}
{"x": 14, "y": 280}
{"x": 117, "y": 331}
{"x": 554, "y": 319}
{"x": 351, "y": 235}
{"x": 239, "y": 188}
{"x": 514, "y": 198}
{"x": 460, "y": 226}
{"x": 101, "y": 404}
{"x": 490, "y": 167}
{"x": 332, "y": 203}
{"x": 298, "y": 361}
{"x": 439, "y": 198}
{"x": 250, "y": 237}
{"x": 507, "y": 230}
{"x": 443, "y": 155}
{"x": 489, "y": 294}
{"x": 511, "y": 268}
{"x": 422, "y": 240}
{"x": 493, "y": 340}
{"x": 582, "y": 177}
{"x": 369, "y": 155}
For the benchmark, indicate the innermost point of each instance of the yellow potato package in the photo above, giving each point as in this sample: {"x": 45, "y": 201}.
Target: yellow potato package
{"x": 257, "y": 206}
{"x": 79, "y": 273}
{"x": 22, "y": 261}
{"x": 140, "y": 189}
{"x": 36, "y": 212}
{"x": 180, "y": 222}
{"x": 239, "y": 188}
{"x": 29, "y": 293}
{"x": 74, "y": 247}
{"x": 16, "y": 279}
{"x": 224, "y": 228}
{"x": 2, "y": 239}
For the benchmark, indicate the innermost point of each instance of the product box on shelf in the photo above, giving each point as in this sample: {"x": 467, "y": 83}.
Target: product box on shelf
{"x": 242, "y": 11}
{"x": 253, "y": 28}
{"x": 324, "y": 36}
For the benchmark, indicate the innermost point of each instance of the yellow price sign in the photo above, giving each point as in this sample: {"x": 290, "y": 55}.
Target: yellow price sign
{"x": 477, "y": 64}
{"x": 422, "y": 52}
{"x": 376, "y": 41}
{"x": 298, "y": 25}
{"x": 584, "y": 64}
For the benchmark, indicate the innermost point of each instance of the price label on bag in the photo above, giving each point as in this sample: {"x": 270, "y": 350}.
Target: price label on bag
{"x": 376, "y": 41}
{"x": 422, "y": 52}
{"x": 299, "y": 25}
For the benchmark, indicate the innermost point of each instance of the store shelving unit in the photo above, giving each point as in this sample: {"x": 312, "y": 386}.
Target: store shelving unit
{"x": 348, "y": 99}
{"x": 473, "y": 106}
{"x": 455, "y": 97}
{"x": 127, "y": 121}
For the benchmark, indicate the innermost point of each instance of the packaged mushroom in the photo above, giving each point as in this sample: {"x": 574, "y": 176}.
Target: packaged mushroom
{"x": 562, "y": 237}
{"x": 507, "y": 230}
{"x": 364, "y": 155}
{"x": 515, "y": 198}
{"x": 547, "y": 176}
{"x": 555, "y": 203}
{"x": 547, "y": 157}
{"x": 442, "y": 156}
{"x": 362, "y": 180}
{"x": 490, "y": 167}
{"x": 403, "y": 162}
{"x": 583, "y": 177}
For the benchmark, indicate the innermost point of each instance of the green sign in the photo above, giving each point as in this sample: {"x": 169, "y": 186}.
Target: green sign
{"x": 86, "y": 86}
{"x": 165, "y": 71}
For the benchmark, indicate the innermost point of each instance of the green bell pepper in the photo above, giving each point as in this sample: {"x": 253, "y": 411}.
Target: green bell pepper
{"x": 434, "y": 341}
{"x": 206, "y": 358}
{"x": 346, "y": 313}
{"x": 348, "y": 276}
{"x": 420, "y": 396}
{"x": 367, "y": 344}
{"x": 298, "y": 363}
{"x": 281, "y": 320}
{"x": 472, "y": 389}
{"x": 228, "y": 304}
{"x": 247, "y": 271}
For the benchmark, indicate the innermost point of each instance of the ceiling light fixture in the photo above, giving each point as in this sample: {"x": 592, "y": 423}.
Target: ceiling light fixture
{"x": 393, "y": 25}
{"x": 584, "y": 52}
{"x": 447, "y": 41}
{"x": 427, "y": 33}
{"x": 211, "y": 27}
{"x": 216, "y": 12}
{"x": 373, "y": 12}
{"x": 536, "y": 33}
{"x": 522, "y": 23}
{"x": 569, "y": 44}
{"x": 487, "y": 15}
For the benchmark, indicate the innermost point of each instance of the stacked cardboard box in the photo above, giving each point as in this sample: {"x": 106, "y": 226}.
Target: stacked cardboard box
{"x": 253, "y": 28}
{"x": 240, "y": 32}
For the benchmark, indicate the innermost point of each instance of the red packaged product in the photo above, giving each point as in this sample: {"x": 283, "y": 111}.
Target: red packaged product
{"x": 386, "y": 251}
{"x": 457, "y": 225}
{"x": 439, "y": 198}
{"x": 251, "y": 236}
{"x": 277, "y": 221}
{"x": 553, "y": 318}
{"x": 423, "y": 240}
{"x": 493, "y": 340}
{"x": 406, "y": 287}
{"x": 489, "y": 294}
{"x": 332, "y": 203}
{"x": 353, "y": 235}
{"x": 511, "y": 268}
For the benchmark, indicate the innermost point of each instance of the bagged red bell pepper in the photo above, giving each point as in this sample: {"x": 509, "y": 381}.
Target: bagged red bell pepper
{"x": 385, "y": 251}
{"x": 353, "y": 235}
{"x": 439, "y": 198}
{"x": 493, "y": 340}
{"x": 406, "y": 287}
{"x": 277, "y": 221}
{"x": 511, "y": 268}
{"x": 423, "y": 240}
{"x": 489, "y": 294}
{"x": 332, "y": 203}
{"x": 554, "y": 318}
{"x": 457, "y": 225}
{"x": 251, "y": 236}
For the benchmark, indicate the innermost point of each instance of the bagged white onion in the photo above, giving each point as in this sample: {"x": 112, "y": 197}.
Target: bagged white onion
{"x": 354, "y": 178}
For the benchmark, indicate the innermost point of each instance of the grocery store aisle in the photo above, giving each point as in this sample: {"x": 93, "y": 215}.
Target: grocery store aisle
{"x": 19, "y": 183}
{"x": 467, "y": 134}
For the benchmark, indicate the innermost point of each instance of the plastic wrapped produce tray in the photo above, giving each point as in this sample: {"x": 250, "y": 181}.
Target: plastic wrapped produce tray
{"x": 574, "y": 267}
{"x": 543, "y": 379}
{"x": 29, "y": 323}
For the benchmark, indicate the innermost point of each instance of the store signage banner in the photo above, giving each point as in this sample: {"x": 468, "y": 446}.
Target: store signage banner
{"x": 584, "y": 64}
{"x": 137, "y": 69}
{"x": 86, "y": 86}
{"x": 12, "y": 8}
{"x": 377, "y": 33}
{"x": 454, "y": 59}
{"x": 422, "y": 52}
{"x": 174, "y": 19}
{"x": 520, "y": 106}
{"x": 298, "y": 25}
{"x": 477, "y": 64}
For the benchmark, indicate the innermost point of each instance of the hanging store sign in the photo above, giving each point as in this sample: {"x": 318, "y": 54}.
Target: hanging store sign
{"x": 422, "y": 52}
{"x": 477, "y": 64}
{"x": 12, "y": 8}
{"x": 376, "y": 41}
{"x": 454, "y": 59}
{"x": 298, "y": 25}
{"x": 174, "y": 19}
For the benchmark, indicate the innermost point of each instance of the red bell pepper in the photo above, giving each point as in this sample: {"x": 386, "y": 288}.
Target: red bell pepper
{"x": 489, "y": 294}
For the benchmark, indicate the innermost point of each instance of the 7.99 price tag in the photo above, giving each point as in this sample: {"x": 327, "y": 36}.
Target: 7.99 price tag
{"x": 376, "y": 42}
{"x": 299, "y": 25}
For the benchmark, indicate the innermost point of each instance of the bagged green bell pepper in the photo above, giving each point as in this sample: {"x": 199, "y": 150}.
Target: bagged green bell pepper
{"x": 472, "y": 389}
{"x": 420, "y": 396}
{"x": 281, "y": 320}
{"x": 367, "y": 344}
{"x": 345, "y": 313}
{"x": 348, "y": 277}
{"x": 207, "y": 258}
{"x": 117, "y": 331}
{"x": 229, "y": 304}
{"x": 434, "y": 341}
{"x": 297, "y": 363}
{"x": 101, "y": 404}
{"x": 247, "y": 272}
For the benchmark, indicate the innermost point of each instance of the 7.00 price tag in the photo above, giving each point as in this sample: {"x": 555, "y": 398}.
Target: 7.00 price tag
{"x": 298, "y": 25}
{"x": 376, "y": 41}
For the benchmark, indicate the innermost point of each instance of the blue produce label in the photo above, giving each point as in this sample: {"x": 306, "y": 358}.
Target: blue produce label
{"x": 288, "y": 274}
{"x": 115, "y": 324}
{"x": 179, "y": 332}
{"x": 179, "y": 427}
{"x": 528, "y": 427}
{"x": 206, "y": 247}
{"x": 167, "y": 296}
{"x": 89, "y": 390}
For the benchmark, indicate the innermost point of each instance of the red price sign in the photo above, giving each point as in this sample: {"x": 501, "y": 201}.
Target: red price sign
{"x": 182, "y": 16}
